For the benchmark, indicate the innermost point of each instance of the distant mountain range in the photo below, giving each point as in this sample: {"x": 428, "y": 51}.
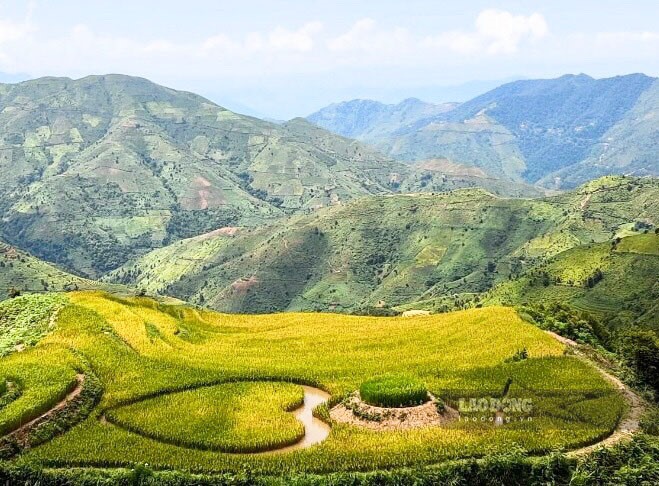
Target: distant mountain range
{"x": 370, "y": 120}
{"x": 110, "y": 172}
{"x": 557, "y": 133}
{"x": 100, "y": 170}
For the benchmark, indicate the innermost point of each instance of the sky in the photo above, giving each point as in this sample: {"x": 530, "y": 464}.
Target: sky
{"x": 281, "y": 59}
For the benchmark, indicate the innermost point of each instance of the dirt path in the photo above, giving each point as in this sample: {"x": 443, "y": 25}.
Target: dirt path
{"x": 53, "y": 318}
{"x": 22, "y": 434}
{"x": 629, "y": 423}
{"x": 315, "y": 430}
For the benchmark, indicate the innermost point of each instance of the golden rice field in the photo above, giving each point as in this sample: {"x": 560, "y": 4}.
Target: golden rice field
{"x": 194, "y": 390}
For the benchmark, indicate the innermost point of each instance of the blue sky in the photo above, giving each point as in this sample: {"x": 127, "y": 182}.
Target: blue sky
{"x": 288, "y": 58}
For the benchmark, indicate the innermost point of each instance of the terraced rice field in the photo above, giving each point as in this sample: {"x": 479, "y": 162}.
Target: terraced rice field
{"x": 194, "y": 390}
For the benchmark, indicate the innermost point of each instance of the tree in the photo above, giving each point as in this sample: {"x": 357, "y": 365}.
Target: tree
{"x": 640, "y": 350}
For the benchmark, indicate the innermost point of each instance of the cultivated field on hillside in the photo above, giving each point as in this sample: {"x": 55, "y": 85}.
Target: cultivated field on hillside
{"x": 195, "y": 390}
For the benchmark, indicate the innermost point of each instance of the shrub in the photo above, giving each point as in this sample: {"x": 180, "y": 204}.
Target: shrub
{"x": 25, "y": 320}
{"x": 394, "y": 391}
{"x": 650, "y": 422}
{"x": 519, "y": 355}
{"x": 639, "y": 349}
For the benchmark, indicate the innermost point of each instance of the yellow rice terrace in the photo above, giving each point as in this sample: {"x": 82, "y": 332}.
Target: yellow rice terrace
{"x": 120, "y": 382}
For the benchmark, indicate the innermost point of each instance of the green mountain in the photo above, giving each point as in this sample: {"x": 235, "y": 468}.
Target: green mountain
{"x": 105, "y": 168}
{"x": 557, "y": 132}
{"x": 629, "y": 146}
{"x": 23, "y": 272}
{"x": 391, "y": 250}
{"x": 407, "y": 131}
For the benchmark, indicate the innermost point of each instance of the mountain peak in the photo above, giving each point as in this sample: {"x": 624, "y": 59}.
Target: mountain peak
{"x": 412, "y": 101}
{"x": 577, "y": 76}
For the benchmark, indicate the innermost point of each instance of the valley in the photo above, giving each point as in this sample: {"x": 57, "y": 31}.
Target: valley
{"x": 412, "y": 293}
{"x": 388, "y": 251}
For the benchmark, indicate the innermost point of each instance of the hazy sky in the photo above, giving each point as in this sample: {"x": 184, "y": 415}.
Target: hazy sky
{"x": 289, "y": 58}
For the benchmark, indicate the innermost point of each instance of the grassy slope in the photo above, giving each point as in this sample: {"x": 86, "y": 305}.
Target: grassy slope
{"x": 629, "y": 289}
{"x": 28, "y": 274}
{"x": 396, "y": 249}
{"x": 139, "y": 348}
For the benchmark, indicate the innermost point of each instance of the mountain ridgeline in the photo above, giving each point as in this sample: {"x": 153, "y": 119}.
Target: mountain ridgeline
{"x": 387, "y": 251}
{"x": 107, "y": 167}
{"x": 100, "y": 170}
{"x": 557, "y": 133}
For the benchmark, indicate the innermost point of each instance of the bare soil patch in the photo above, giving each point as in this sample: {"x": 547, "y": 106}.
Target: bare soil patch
{"x": 227, "y": 231}
{"x": 242, "y": 285}
{"x": 355, "y": 411}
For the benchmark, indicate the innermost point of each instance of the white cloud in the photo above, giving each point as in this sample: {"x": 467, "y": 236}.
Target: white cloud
{"x": 366, "y": 36}
{"x": 502, "y": 32}
{"x": 81, "y": 50}
{"x": 11, "y": 31}
{"x": 301, "y": 40}
{"x": 497, "y": 32}
{"x": 357, "y": 37}
{"x": 279, "y": 39}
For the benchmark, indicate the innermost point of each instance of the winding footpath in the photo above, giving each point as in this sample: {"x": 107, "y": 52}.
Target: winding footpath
{"x": 21, "y": 435}
{"x": 629, "y": 424}
{"x": 315, "y": 430}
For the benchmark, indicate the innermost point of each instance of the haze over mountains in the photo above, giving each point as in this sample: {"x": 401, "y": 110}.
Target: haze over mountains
{"x": 557, "y": 133}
